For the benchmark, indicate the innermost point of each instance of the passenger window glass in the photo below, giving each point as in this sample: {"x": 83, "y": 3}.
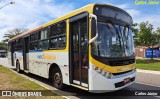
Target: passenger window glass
{"x": 58, "y": 35}
{"x": 61, "y": 42}
{"x": 43, "y": 44}
{"x": 44, "y": 34}
{"x": 33, "y": 37}
{"x": 34, "y": 46}
{"x": 53, "y": 43}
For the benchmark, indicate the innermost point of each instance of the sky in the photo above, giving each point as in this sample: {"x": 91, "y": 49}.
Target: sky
{"x": 32, "y": 13}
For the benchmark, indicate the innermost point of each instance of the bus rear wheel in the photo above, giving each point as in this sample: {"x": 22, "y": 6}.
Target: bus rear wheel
{"x": 57, "y": 78}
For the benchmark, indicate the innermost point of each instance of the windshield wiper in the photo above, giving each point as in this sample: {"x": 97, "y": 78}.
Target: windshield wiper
{"x": 126, "y": 35}
{"x": 117, "y": 33}
{"x": 120, "y": 29}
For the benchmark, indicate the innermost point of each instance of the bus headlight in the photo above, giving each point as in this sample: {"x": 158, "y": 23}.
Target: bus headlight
{"x": 102, "y": 72}
{"x": 99, "y": 71}
{"x": 109, "y": 75}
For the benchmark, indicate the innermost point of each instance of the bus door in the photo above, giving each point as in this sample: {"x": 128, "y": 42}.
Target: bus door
{"x": 12, "y": 53}
{"x": 26, "y": 53}
{"x": 79, "y": 50}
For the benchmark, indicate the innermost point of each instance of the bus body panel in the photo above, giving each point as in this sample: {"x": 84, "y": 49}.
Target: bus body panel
{"x": 99, "y": 83}
{"x": 40, "y": 62}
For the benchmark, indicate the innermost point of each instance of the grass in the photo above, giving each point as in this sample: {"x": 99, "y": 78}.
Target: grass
{"x": 12, "y": 81}
{"x": 146, "y": 65}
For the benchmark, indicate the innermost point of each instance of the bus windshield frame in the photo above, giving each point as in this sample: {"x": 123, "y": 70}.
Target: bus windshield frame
{"x": 118, "y": 30}
{"x": 113, "y": 41}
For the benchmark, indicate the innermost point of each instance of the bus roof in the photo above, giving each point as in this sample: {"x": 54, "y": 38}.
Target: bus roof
{"x": 88, "y": 8}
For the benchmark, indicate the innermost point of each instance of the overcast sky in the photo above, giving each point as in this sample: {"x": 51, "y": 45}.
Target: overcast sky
{"x": 31, "y": 13}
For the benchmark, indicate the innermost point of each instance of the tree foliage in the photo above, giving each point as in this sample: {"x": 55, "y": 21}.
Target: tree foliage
{"x": 146, "y": 36}
{"x": 12, "y": 33}
{"x": 3, "y": 46}
{"x": 158, "y": 36}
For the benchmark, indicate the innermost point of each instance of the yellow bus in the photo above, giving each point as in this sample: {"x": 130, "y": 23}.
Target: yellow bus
{"x": 90, "y": 48}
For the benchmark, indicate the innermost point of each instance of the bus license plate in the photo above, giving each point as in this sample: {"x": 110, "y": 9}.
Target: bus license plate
{"x": 127, "y": 80}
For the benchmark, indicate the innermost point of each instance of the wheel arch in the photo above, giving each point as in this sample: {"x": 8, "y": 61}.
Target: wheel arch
{"x": 52, "y": 67}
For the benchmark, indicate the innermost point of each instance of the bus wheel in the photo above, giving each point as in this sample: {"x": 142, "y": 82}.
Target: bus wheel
{"x": 18, "y": 67}
{"x": 57, "y": 78}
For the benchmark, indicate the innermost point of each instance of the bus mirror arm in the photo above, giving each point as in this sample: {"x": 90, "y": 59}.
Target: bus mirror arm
{"x": 94, "y": 38}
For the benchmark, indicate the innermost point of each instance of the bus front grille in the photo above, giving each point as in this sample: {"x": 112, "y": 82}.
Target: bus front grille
{"x": 122, "y": 62}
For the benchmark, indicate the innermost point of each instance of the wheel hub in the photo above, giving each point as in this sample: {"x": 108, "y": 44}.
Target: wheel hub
{"x": 57, "y": 78}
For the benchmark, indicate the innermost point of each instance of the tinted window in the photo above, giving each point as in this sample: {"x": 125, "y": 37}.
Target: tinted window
{"x": 58, "y": 29}
{"x": 43, "y": 44}
{"x": 34, "y": 46}
{"x": 58, "y": 35}
{"x": 58, "y": 42}
{"x": 18, "y": 44}
{"x": 43, "y": 34}
{"x": 61, "y": 42}
{"x": 34, "y": 37}
{"x": 39, "y": 40}
{"x": 53, "y": 43}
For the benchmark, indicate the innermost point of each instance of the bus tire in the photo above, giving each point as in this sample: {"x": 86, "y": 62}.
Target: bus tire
{"x": 18, "y": 67}
{"x": 57, "y": 78}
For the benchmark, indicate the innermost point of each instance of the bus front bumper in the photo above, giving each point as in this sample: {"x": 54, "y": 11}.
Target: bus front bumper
{"x": 100, "y": 84}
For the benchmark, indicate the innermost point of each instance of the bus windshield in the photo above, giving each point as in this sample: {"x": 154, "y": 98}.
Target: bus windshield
{"x": 113, "y": 41}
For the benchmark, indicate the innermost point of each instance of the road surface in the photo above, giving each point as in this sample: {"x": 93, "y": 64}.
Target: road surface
{"x": 144, "y": 81}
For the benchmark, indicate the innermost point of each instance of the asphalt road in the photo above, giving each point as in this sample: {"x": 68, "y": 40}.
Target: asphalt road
{"x": 144, "y": 82}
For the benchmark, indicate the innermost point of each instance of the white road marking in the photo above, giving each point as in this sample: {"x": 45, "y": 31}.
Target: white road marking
{"x": 148, "y": 71}
{"x": 147, "y": 84}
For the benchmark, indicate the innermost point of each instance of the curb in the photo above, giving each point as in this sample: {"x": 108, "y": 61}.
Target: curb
{"x": 148, "y": 71}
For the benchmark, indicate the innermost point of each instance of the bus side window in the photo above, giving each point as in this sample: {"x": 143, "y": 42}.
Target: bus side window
{"x": 53, "y": 43}
{"x": 34, "y": 46}
{"x": 44, "y": 41}
{"x": 43, "y": 34}
{"x": 58, "y": 35}
{"x": 34, "y": 41}
{"x": 43, "y": 44}
{"x": 61, "y": 42}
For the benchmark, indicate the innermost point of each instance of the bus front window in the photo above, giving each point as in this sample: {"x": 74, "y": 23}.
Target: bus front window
{"x": 113, "y": 41}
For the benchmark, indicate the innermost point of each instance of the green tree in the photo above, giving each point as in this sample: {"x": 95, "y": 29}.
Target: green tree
{"x": 12, "y": 33}
{"x": 158, "y": 36}
{"x": 146, "y": 36}
{"x": 3, "y": 46}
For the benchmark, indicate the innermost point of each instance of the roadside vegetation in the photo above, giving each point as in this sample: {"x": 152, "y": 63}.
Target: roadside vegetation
{"x": 11, "y": 81}
{"x": 148, "y": 64}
